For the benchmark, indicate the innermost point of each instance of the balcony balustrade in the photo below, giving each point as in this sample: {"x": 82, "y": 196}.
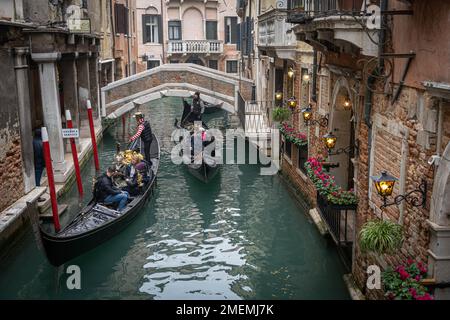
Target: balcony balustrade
{"x": 274, "y": 31}
{"x": 195, "y": 46}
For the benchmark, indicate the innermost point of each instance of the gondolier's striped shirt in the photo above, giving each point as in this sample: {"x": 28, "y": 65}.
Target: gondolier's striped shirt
{"x": 138, "y": 133}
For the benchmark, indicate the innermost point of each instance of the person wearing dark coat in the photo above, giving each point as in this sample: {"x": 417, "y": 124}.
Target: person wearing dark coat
{"x": 39, "y": 160}
{"x": 108, "y": 193}
{"x": 198, "y": 107}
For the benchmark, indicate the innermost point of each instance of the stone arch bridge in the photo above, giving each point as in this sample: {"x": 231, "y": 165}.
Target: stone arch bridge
{"x": 179, "y": 80}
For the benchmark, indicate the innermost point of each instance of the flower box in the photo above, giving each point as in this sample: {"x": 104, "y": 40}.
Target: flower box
{"x": 335, "y": 206}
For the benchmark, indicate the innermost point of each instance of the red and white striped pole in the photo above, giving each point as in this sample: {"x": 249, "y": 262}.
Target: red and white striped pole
{"x": 92, "y": 128}
{"x": 50, "y": 177}
{"x": 74, "y": 154}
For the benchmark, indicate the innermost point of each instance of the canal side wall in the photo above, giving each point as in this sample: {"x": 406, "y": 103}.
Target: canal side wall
{"x": 14, "y": 220}
{"x": 11, "y": 177}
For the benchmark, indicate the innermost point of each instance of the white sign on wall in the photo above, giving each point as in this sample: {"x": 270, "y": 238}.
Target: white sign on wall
{"x": 70, "y": 133}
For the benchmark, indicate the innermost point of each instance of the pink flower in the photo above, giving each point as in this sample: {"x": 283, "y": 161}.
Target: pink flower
{"x": 426, "y": 296}
{"x": 413, "y": 292}
{"x": 410, "y": 261}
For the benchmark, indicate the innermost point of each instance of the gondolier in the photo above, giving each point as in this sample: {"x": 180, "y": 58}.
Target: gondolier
{"x": 198, "y": 107}
{"x": 144, "y": 131}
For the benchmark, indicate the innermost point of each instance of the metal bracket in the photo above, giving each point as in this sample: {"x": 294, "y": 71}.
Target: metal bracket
{"x": 411, "y": 199}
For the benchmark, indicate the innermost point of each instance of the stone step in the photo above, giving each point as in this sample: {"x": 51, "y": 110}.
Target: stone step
{"x": 62, "y": 208}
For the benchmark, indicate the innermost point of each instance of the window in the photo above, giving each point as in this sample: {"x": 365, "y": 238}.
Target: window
{"x": 302, "y": 158}
{"x": 121, "y": 18}
{"x": 211, "y": 30}
{"x": 288, "y": 148}
{"x": 175, "y": 30}
{"x": 151, "y": 28}
{"x": 174, "y": 61}
{"x": 231, "y": 31}
{"x": 232, "y": 66}
{"x": 152, "y": 64}
{"x": 213, "y": 64}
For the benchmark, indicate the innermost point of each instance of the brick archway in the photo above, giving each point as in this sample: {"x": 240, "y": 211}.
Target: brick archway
{"x": 340, "y": 124}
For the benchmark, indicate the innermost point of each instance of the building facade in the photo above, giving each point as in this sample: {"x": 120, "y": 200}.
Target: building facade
{"x": 381, "y": 81}
{"x": 51, "y": 67}
{"x": 203, "y": 33}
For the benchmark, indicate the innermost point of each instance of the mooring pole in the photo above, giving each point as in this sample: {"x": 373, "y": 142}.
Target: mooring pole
{"x": 74, "y": 154}
{"x": 50, "y": 177}
{"x": 93, "y": 139}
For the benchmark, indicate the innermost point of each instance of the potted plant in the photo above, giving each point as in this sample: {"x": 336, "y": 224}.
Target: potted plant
{"x": 380, "y": 236}
{"x": 404, "y": 282}
{"x": 280, "y": 114}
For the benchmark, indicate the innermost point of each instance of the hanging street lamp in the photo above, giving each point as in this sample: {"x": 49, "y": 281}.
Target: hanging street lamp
{"x": 292, "y": 103}
{"x": 306, "y": 77}
{"x": 278, "y": 95}
{"x": 347, "y": 103}
{"x": 384, "y": 184}
{"x": 307, "y": 118}
{"x": 330, "y": 141}
{"x": 291, "y": 73}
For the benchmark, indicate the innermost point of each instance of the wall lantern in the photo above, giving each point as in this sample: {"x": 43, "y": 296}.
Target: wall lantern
{"x": 347, "y": 103}
{"x": 384, "y": 184}
{"x": 330, "y": 141}
{"x": 292, "y": 103}
{"x": 306, "y": 77}
{"x": 291, "y": 73}
{"x": 278, "y": 96}
{"x": 307, "y": 118}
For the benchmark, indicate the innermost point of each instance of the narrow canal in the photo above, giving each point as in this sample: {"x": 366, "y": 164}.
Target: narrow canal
{"x": 241, "y": 236}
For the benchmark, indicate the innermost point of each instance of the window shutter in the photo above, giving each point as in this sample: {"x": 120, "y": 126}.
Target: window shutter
{"x": 238, "y": 36}
{"x": 144, "y": 29}
{"x": 227, "y": 32}
{"x": 160, "y": 29}
{"x": 233, "y": 30}
{"x": 126, "y": 25}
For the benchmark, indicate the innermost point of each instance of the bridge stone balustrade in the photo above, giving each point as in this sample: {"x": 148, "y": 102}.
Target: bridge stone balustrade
{"x": 180, "y": 80}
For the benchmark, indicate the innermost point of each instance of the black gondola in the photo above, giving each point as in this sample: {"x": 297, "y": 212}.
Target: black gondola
{"x": 211, "y": 108}
{"x": 97, "y": 223}
{"x": 208, "y": 168}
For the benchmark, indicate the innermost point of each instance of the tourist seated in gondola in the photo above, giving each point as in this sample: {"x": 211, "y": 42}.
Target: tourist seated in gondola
{"x": 105, "y": 192}
{"x": 144, "y": 172}
{"x": 132, "y": 176}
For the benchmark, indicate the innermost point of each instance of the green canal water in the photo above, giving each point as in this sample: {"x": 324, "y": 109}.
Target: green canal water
{"x": 241, "y": 236}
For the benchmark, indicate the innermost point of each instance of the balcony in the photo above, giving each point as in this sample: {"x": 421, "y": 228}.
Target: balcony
{"x": 274, "y": 32}
{"x": 340, "y": 222}
{"x": 331, "y": 25}
{"x": 195, "y": 46}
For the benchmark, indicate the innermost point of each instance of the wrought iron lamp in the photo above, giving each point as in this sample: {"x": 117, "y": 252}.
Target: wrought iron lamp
{"x": 291, "y": 73}
{"x": 330, "y": 142}
{"x": 278, "y": 96}
{"x": 384, "y": 184}
{"x": 292, "y": 103}
{"x": 347, "y": 103}
{"x": 307, "y": 118}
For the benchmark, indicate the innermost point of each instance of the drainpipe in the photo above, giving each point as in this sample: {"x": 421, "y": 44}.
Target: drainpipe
{"x": 314, "y": 80}
{"x": 382, "y": 37}
{"x": 162, "y": 34}
{"x": 371, "y": 79}
{"x": 128, "y": 37}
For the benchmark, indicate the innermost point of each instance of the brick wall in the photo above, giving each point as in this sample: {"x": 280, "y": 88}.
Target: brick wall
{"x": 388, "y": 157}
{"x": 11, "y": 179}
